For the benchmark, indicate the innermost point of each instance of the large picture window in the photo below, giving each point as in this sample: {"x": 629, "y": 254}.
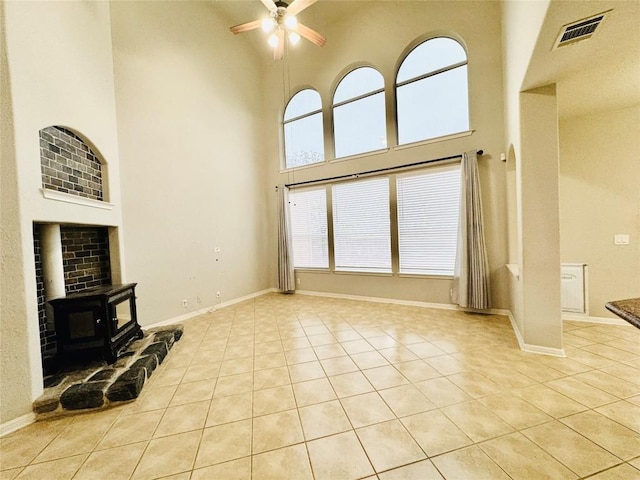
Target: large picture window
{"x": 359, "y": 113}
{"x": 432, "y": 95}
{"x": 303, "y": 134}
{"x": 308, "y": 208}
{"x": 427, "y": 203}
{"x": 361, "y": 226}
{"x": 428, "y": 210}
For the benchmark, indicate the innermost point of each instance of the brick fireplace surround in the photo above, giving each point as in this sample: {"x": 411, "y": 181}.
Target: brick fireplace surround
{"x": 69, "y": 166}
{"x": 85, "y": 253}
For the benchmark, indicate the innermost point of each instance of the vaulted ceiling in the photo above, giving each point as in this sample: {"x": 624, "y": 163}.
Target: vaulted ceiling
{"x": 597, "y": 74}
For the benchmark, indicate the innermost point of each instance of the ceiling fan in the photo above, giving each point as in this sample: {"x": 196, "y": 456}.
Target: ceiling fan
{"x": 282, "y": 22}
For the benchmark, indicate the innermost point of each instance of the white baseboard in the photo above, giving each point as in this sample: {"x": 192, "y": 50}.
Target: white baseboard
{"x": 411, "y": 303}
{"x": 195, "y": 313}
{"x": 246, "y": 297}
{"x": 180, "y": 318}
{"x": 17, "y": 423}
{"x": 556, "y": 352}
{"x": 537, "y": 349}
{"x": 586, "y": 318}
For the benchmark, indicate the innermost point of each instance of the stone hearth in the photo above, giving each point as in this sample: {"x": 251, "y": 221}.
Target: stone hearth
{"x": 97, "y": 385}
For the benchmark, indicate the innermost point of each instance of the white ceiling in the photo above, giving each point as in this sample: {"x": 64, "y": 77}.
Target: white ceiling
{"x": 598, "y": 74}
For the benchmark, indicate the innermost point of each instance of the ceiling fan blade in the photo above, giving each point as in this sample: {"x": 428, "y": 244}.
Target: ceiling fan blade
{"x": 245, "y": 27}
{"x": 278, "y": 51}
{"x": 311, "y": 35}
{"x": 298, "y": 5}
{"x": 269, "y": 4}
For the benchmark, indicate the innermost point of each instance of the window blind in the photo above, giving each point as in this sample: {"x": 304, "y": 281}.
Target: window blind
{"x": 308, "y": 210}
{"x": 428, "y": 211}
{"x": 361, "y": 226}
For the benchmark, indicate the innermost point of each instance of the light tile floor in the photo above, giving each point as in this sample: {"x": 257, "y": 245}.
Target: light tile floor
{"x": 304, "y": 387}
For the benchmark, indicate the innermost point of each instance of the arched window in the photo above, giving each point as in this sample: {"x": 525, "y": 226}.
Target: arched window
{"x": 359, "y": 123}
{"x": 303, "y": 135}
{"x": 432, "y": 92}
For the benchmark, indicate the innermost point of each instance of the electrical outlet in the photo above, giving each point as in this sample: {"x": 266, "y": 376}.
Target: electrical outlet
{"x": 198, "y": 299}
{"x": 298, "y": 281}
{"x": 217, "y": 294}
{"x": 184, "y": 303}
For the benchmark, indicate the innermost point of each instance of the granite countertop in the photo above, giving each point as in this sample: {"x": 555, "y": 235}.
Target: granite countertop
{"x": 628, "y": 310}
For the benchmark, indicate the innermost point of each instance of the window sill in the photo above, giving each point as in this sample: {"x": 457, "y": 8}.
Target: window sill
{"x": 360, "y": 155}
{"x": 326, "y": 271}
{"x": 358, "y": 272}
{"x": 303, "y": 167}
{"x": 425, "y": 276}
{"x": 75, "y": 199}
{"x": 336, "y": 160}
{"x": 444, "y": 138}
{"x": 381, "y": 151}
{"x": 311, "y": 270}
{"x": 514, "y": 269}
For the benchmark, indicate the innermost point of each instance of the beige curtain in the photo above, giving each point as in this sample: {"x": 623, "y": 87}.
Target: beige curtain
{"x": 471, "y": 275}
{"x": 286, "y": 275}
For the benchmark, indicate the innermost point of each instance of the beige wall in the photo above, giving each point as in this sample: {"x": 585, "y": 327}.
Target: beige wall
{"x": 189, "y": 116}
{"x": 382, "y": 35}
{"x": 15, "y": 336}
{"x": 59, "y": 66}
{"x": 599, "y": 197}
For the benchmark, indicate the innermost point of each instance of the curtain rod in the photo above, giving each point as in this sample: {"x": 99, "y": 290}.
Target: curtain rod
{"x": 379, "y": 170}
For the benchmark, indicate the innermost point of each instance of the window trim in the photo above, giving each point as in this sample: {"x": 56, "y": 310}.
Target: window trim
{"x": 302, "y": 167}
{"x": 442, "y": 138}
{"x": 359, "y": 97}
{"x": 300, "y": 117}
{"x": 431, "y": 74}
{"x": 360, "y": 155}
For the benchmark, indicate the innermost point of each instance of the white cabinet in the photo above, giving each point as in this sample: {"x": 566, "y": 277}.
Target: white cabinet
{"x": 573, "y": 287}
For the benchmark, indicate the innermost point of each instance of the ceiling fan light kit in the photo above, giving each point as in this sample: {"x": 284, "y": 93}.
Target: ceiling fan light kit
{"x": 268, "y": 25}
{"x": 283, "y": 22}
{"x": 294, "y": 38}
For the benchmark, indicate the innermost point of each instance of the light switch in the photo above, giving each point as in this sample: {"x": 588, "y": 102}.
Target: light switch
{"x": 620, "y": 239}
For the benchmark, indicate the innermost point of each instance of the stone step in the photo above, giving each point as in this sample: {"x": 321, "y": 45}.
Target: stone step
{"x": 98, "y": 385}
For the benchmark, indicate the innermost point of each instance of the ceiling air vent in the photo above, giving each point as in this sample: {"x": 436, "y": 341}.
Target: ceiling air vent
{"x": 580, "y": 30}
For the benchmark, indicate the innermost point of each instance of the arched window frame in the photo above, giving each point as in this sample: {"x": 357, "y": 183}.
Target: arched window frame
{"x": 297, "y": 118}
{"x": 428, "y": 74}
{"x": 351, "y": 101}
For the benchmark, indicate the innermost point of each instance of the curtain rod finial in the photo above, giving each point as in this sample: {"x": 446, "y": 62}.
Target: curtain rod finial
{"x": 480, "y": 152}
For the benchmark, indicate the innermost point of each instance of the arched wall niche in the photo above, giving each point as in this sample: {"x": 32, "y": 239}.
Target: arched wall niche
{"x": 71, "y": 164}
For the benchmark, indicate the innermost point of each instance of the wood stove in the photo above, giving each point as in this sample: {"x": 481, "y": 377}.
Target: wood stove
{"x": 101, "y": 318}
